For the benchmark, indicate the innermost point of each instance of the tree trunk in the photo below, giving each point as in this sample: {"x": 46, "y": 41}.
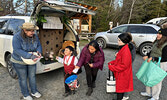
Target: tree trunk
{"x": 12, "y": 7}
{"x": 131, "y": 10}
{"x": 25, "y": 6}
{"x": 109, "y": 9}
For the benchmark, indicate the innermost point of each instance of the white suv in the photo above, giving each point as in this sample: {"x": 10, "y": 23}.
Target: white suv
{"x": 51, "y": 34}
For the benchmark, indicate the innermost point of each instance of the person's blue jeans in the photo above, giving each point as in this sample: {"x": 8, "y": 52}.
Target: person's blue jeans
{"x": 25, "y": 72}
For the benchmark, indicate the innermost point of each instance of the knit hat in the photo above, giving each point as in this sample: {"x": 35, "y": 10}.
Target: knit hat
{"x": 29, "y": 26}
{"x": 163, "y": 31}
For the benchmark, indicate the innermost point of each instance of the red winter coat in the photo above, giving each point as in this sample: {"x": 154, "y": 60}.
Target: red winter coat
{"x": 122, "y": 68}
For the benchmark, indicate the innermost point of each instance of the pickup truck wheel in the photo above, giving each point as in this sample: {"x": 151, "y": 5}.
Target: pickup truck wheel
{"x": 101, "y": 42}
{"x": 145, "y": 48}
{"x": 10, "y": 68}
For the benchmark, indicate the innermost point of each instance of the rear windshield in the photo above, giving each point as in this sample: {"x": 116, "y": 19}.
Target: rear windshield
{"x": 14, "y": 26}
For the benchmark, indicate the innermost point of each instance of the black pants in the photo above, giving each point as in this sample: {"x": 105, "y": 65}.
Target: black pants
{"x": 120, "y": 96}
{"x": 67, "y": 89}
{"x": 91, "y": 74}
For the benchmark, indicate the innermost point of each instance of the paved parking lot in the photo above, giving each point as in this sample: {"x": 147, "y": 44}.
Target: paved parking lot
{"x": 51, "y": 84}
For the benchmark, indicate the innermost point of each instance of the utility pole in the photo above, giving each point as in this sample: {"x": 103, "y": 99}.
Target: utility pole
{"x": 25, "y": 6}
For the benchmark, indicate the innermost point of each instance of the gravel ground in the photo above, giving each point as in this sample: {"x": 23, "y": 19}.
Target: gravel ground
{"x": 51, "y": 84}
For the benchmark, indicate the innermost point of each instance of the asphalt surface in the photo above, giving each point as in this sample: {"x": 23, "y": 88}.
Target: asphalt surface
{"x": 52, "y": 87}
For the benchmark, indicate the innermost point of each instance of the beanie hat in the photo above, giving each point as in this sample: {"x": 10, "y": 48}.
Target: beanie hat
{"x": 163, "y": 31}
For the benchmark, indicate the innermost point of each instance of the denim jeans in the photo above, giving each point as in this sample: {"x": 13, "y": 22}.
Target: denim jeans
{"x": 25, "y": 72}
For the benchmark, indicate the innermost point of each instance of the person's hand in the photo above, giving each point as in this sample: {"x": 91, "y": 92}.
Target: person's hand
{"x": 149, "y": 59}
{"x": 116, "y": 54}
{"x": 57, "y": 58}
{"x": 35, "y": 59}
{"x": 91, "y": 65}
{"x": 39, "y": 54}
{"x": 77, "y": 67}
{"x": 145, "y": 57}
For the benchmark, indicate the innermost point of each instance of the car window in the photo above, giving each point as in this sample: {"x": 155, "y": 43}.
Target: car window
{"x": 14, "y": 26}
{"x": 136, "y": 29}
{"x": 3, "y": 23}
{"x": 151, "y": 30}
{"x": 120, "y": 29}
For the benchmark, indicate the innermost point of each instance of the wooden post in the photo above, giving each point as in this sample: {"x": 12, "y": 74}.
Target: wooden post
{"x": 90, "y": 23}
{"x": 80, "y": 23}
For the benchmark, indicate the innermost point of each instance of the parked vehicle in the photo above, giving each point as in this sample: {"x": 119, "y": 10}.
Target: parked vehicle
{"x": 156, "y": 21}
{"x": 54, "y": 29}
{"x": 143, "y": 35}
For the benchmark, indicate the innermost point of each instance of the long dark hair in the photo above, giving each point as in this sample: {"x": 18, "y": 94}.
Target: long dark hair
{"x": 94, "y": 44}
{"x": 161, "y": 41}
{"x": 132, "y": 39}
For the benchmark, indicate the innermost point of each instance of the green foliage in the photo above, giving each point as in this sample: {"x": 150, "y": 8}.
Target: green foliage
{"x": 1, "y": 9}
{"x": 65, "y": 20}
{"x": 41, "y": 19}
{"x": 143, "y": 11}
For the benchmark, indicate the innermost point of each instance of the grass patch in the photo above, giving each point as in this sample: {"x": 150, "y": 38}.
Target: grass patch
{"x": 83, "y": 42}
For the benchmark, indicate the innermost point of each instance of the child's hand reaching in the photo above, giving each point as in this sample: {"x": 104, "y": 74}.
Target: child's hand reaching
{"x": 57, "y": 58}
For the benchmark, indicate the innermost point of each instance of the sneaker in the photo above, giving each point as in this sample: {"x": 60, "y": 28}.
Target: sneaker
{"x": 37, "y": 95}
{"x": 152, "y": 99}
{"x": 93, "y": 85}
{"x": 125, "y": 98}
{"x": 66, "y": 94}
{"x": 73, "y": 92}
{"x": 145, "y": 94}
{"x": 28, "y": 98}
{"x": 89, "y": 92}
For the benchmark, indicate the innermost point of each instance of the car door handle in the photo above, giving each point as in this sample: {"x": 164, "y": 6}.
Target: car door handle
{"x": 141, "y": 36}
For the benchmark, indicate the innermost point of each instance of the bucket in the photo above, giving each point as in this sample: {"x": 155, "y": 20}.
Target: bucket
{"x": 72, "y": 82}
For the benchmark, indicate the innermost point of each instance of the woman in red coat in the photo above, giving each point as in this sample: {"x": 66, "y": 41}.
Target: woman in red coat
{"x": 122, "y": 66}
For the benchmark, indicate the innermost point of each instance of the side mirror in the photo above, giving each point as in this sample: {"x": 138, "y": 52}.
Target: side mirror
{"x": 110, "y": 31}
